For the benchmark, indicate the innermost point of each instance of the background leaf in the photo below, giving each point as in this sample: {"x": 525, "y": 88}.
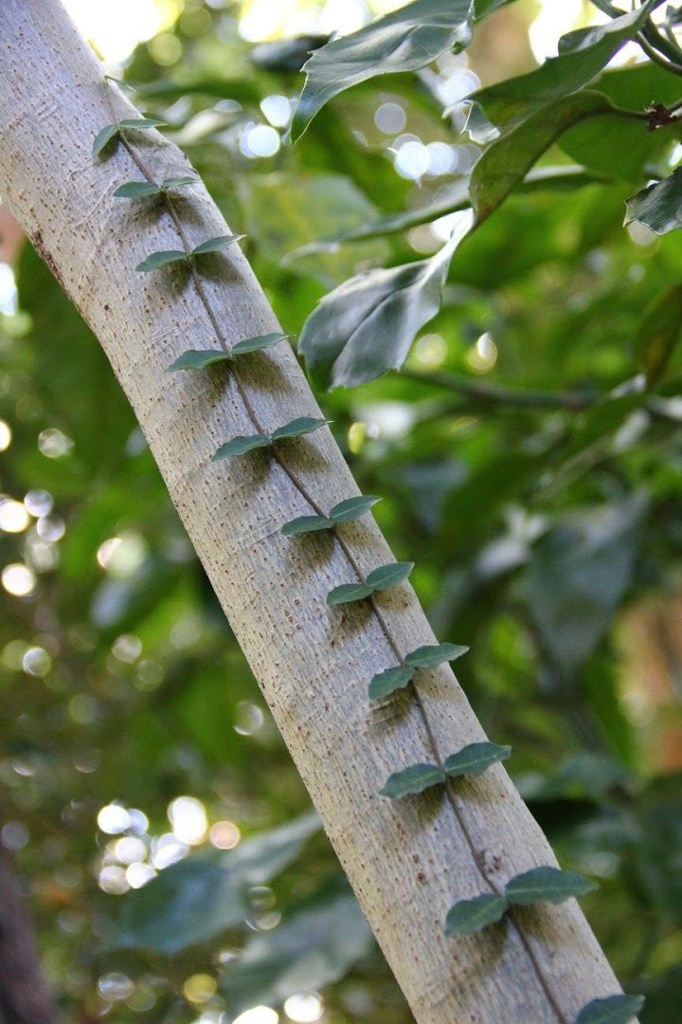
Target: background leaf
{"x": 658, "y": 206}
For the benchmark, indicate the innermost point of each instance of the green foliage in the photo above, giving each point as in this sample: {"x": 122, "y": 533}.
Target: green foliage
{"x": 343, "y": 512}
{"x": 435, "y": 654}
{"x": 385, "y": 683}
{"x": 658, "y": 206}
{"x": 469, "y": 916}
{"x": 243, "y": 444}
{"x": 258, "y": 344}
{"x": 412, "y": 780}
{"x": 112, "y": 132}
{"x": 162, "y": 258}
{"x": 198, "y": 359}
{"x": 612, "y": 1010}
{"x": 474, "y": 759}
{"x": 546, "y": 885}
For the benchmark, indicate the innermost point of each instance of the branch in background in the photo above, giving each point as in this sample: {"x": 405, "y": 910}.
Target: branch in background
{"x": 495, "y": 394}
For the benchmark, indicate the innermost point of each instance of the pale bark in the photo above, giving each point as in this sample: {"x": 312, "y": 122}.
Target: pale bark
{"x": 408, "y": 860}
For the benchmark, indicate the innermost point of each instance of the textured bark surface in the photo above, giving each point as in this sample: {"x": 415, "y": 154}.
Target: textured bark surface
{"x": 23, "y": 996}
{"x": 409, "y": 860}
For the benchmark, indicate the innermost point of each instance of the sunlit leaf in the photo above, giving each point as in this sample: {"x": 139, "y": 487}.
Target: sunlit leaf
{"x": 346, "y": 593}
{"x": 198, "y": 359}
{"x": 306, "y": 524}
{"x": 367, "y": 325}
{"x": 659, "y": 333}
{"x": 387, "y": 682}
{"x": 434, "y": 654}
{"x": 475, "y": 758}
{"x": 547, "y": 885}
{"x": 469, "y": 916}
{"x": 162, "y": 259}
{"x": 386, "y": 576}
{"x": 352, "y": 508}
{"x": 103, "y": 138}
{"x": 137, "y": 190}
{"x": 241, "y": 445}
{"x": 257, "y": 344}
{"x": 414, "y": 779}
{"x": 215, "y": 244}
{"x": 298, "y": 427}
{"x": 405, "y": 40}
{"x": 611, "y": 1010}
{"x": 658, "y": 206}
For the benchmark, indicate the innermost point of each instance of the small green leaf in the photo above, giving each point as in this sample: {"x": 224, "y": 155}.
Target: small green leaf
{"x": 197, "y": 359}
{"x": 215, "y": 244}
{"x": 384, "y": 683}
{"x": 659, "y": 332}
{"x": 184, "y": 179}
{"x": 240, "y": 445}
{"x": 306, "y": 524}
{"x": 469, "y": 916}
{"x": 435, "y": 654}
{"x": 141, "y": 122}
{"x": 414, "y": 779}
{"x": 547, "y": 885}
{"x": 475, "y": 758}
{"x": 386, "y": 576}
{"x": 103, "y": 138}
{"x": 347, "y": 593}
{"x": 297, "y": 427}
{"x": 658, "y": 206}
{"x": 242, "y": 348}
{"x": 612, "y": 1010}
{"x": 352, "y": 508}
{"x": 137, "y": 190}
{"x": 162, "y": 259}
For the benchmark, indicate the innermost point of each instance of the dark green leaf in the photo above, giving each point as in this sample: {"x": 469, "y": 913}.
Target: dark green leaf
{"x": 306, "y": 524}
{"x": 414, "y": 779}
{"x": 298, "y": 427}
{"x": 183, "y": 179}
{"x": 242, "y": 348}
{"x": 658, "y": 206}
{"x": 404, "y": 40}
{"x": 516, "y": 98}
{"x": 312, "y": 947}
{"x": 475, "y": 758}
{"x": 103, "y": 138}
{"x": 506, "y": 162}
{"x": 658, "y": 334}
{"x": 352, "y": 508}
{"x": 141, "y": 122}
{"x": 547, "y": 885}
{"x": 197, "y": 359}
{"x": 368, "y": 324}
{"x": 162, "y": 259}
{"x": 240, "y": 445}
{"x": 386, "y": 576}
{"x": 385, "y": 683}
{"x": 137, "y": 190}
{"x": 469, "y": 916}
{"x": 434, "y": 654}
{"x": 215, "y": 244}
{"x": 347, "y": 593}
{"x": 612, "y": 1010}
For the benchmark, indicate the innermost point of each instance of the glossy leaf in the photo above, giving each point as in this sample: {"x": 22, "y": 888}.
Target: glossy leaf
{"x": 387, "y": 682}
{"x": 197, "y": 359}
{"x": 434, "y": 654}
{"x": 141, "y": 123}
{"x": 547, "y": 885}
{"x": 516, "y": 98}
{"x": 412, "y": 780}
{"x": 658, "y": 206}
{"x": 103, "y": 138}
{"x": 352, "y": 508}
{"x": 162, "y": 259}
{"x": 296, "y": 428}
{"x": 257, "y": 344}
{"x": 507, "y": 161}
{"x": 405, "y": 40}
{"x": 469, "y": 916}
{"x": 659, "y": 333}
{"x": 611, "y": 1010}
{"x": 475, "y": 758}
{"x": 137, "y": 190}
{"x": 367, "y": 325}
{"x": 215, "y": 244}
{"x": 241, "y": 445}
{"x": 306, "y": 524}
{"x": 346, "y": 593}
{"x": 386, "y": 576}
